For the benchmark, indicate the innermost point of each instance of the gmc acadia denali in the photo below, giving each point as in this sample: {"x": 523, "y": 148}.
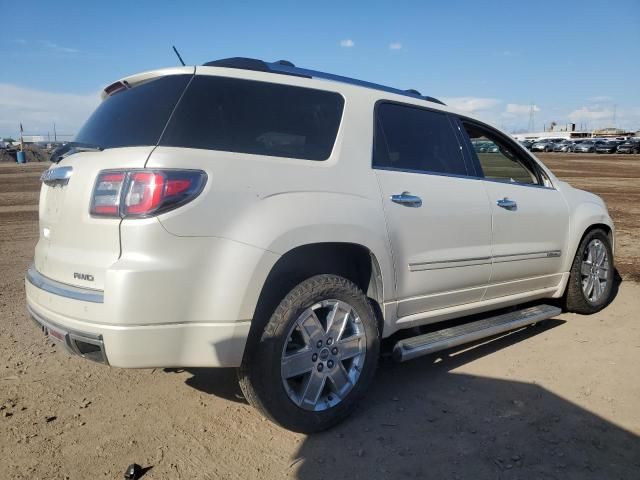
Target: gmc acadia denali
{"x": 284, "y": 221}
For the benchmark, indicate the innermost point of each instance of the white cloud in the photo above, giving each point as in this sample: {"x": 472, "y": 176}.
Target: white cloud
{"x": 471, "y": 104}
{"x": 347, "y": 43}
{"x": 586, "y": 114}
{"x": 37, "y": 110}
{"x": 58, "y": 48}
{"x": 395, "y": 46}
{"x": 507, "y": 53}
{"x": 519, "y": 109}
{"x": 601, "y": 98}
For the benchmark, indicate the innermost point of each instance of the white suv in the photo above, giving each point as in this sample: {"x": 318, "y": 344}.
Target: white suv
{"x": 284, "y": 221}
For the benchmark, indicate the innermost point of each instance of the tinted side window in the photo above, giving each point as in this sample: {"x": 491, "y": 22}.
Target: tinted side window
{"x": 233, "y": 115}
{"x": 411, "y": 138}
{"x": 135, "y": 116}
{"x": 499, "y": 159}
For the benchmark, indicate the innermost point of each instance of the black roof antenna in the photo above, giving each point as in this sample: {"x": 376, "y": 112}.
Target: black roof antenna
{"x": 178, "y": 54}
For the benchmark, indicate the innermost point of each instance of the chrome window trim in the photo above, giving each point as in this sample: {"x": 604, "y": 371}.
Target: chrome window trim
{"x": 520, "y": 184}
{"x": 38, "y": 280}
{"x": 469, "y": 177}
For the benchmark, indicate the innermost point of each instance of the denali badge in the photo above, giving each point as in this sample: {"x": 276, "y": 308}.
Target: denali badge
{"x": 83, "y": 276}
{"x": 56, "y": 176}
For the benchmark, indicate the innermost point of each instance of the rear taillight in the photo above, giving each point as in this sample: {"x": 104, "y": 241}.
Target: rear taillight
{"x": 144, "y": 193}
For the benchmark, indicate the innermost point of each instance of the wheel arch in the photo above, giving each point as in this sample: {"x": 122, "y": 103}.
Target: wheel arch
{"x": 586, "y": 217}
{"x": 353, "y": 261}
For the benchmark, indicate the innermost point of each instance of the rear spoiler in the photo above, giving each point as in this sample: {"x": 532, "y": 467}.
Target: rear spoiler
{"x": 139, "y": 78}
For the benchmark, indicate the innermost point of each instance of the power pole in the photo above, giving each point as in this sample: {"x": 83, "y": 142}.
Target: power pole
{"x": 55, "y": 136}
{"x": 531, "y": 125}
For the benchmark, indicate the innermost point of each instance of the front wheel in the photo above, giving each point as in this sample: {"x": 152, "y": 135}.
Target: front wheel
{"x": 316, "y": 357}
{"x": 591, "y": 278}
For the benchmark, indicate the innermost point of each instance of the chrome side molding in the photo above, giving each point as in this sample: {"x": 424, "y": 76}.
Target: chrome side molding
{"x": 58, "y": 176}
{"x": 36, "y": 279}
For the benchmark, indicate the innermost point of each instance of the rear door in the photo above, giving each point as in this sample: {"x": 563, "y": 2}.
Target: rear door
{"x": 74, "y": 247}
{"x": 438, "y": 217}
{"x": 530, "y": 218}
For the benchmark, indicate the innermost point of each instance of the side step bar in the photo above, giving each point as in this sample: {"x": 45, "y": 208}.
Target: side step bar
{"x": 414, "y": 347}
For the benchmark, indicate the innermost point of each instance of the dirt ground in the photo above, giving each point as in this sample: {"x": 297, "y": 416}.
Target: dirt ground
{"x": 559, "y": 400}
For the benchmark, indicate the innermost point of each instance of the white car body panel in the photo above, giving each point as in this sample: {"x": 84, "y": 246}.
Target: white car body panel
{"x": 441, "y": 250}
{"x": 527, "y": 243}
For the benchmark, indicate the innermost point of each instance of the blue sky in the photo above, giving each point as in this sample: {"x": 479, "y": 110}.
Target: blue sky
{"x": 575, "y": 60}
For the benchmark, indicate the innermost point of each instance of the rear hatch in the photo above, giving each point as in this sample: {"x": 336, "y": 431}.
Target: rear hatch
{"x": 74, "y": 247}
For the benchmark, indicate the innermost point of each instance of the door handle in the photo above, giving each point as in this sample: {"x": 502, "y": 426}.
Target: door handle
{"x": 407, "y": 200}
{"x": 507, "y": 204}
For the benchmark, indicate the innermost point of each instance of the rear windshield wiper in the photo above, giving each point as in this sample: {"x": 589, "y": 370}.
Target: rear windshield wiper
{"x": 73, "y": 147}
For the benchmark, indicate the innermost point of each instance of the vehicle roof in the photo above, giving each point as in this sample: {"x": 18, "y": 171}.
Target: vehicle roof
{"x": 259, "y": 70}
{"x": 284, "y": 67}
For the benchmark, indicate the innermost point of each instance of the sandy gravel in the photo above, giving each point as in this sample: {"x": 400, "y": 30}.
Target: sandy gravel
{"x": 560, "y": 400}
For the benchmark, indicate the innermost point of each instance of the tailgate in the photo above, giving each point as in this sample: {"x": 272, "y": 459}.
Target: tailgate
{"x": 73, "y": 247}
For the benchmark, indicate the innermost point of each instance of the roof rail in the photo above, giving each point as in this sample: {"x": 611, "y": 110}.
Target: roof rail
{"x": 285, "y": 67}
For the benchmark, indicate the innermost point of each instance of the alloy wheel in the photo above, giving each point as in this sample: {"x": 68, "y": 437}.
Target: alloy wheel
{"x": 594, "y": 270}
{"x": 323, "y": 356}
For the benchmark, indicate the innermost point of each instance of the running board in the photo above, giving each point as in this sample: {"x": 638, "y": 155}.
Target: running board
{"x": 414, "y": 347}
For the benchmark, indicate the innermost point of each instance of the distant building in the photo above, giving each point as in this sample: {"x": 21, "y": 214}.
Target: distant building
{"x": 35, "y": 138}
{"x": 612, "y": 132}
{"x": 552, "y": 134}
{"x": 568, "y": 131}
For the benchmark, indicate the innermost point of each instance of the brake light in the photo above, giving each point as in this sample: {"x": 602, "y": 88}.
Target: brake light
{"x": 144, "y": 193}
{"x": 106, "y": 194}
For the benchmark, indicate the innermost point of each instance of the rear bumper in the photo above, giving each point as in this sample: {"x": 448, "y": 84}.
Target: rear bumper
{"x": 86, "y": 345}
{"x": 188, "y": 344}
{"x": 167, "y": 301}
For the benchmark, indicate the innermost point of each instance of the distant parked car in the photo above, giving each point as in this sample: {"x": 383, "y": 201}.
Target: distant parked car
{"x": 629, "y": 146}
{"x": 527, "y": 143}
{"x": 563, "y": 146}
{"x": 543, "y": 146}
{"x": 588, "y": 146}
{"x": 574, "y": 145}
{"x": 609, "y": 147}
{"x": 483, "y": 146}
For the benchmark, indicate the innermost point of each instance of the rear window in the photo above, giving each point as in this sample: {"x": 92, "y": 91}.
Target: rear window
{"x": 135, "y": 116}
{"x": 228, "y": 114}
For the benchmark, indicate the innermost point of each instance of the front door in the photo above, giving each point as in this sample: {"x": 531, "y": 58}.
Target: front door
{"x": 530, "y": 218}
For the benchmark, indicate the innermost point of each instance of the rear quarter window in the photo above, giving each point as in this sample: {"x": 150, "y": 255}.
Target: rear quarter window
{"x": 245, "y": 116}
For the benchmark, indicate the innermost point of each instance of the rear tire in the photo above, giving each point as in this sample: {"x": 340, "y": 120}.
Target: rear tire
{"x": 591, "y": 278}
{"x": 316, "y": 356}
